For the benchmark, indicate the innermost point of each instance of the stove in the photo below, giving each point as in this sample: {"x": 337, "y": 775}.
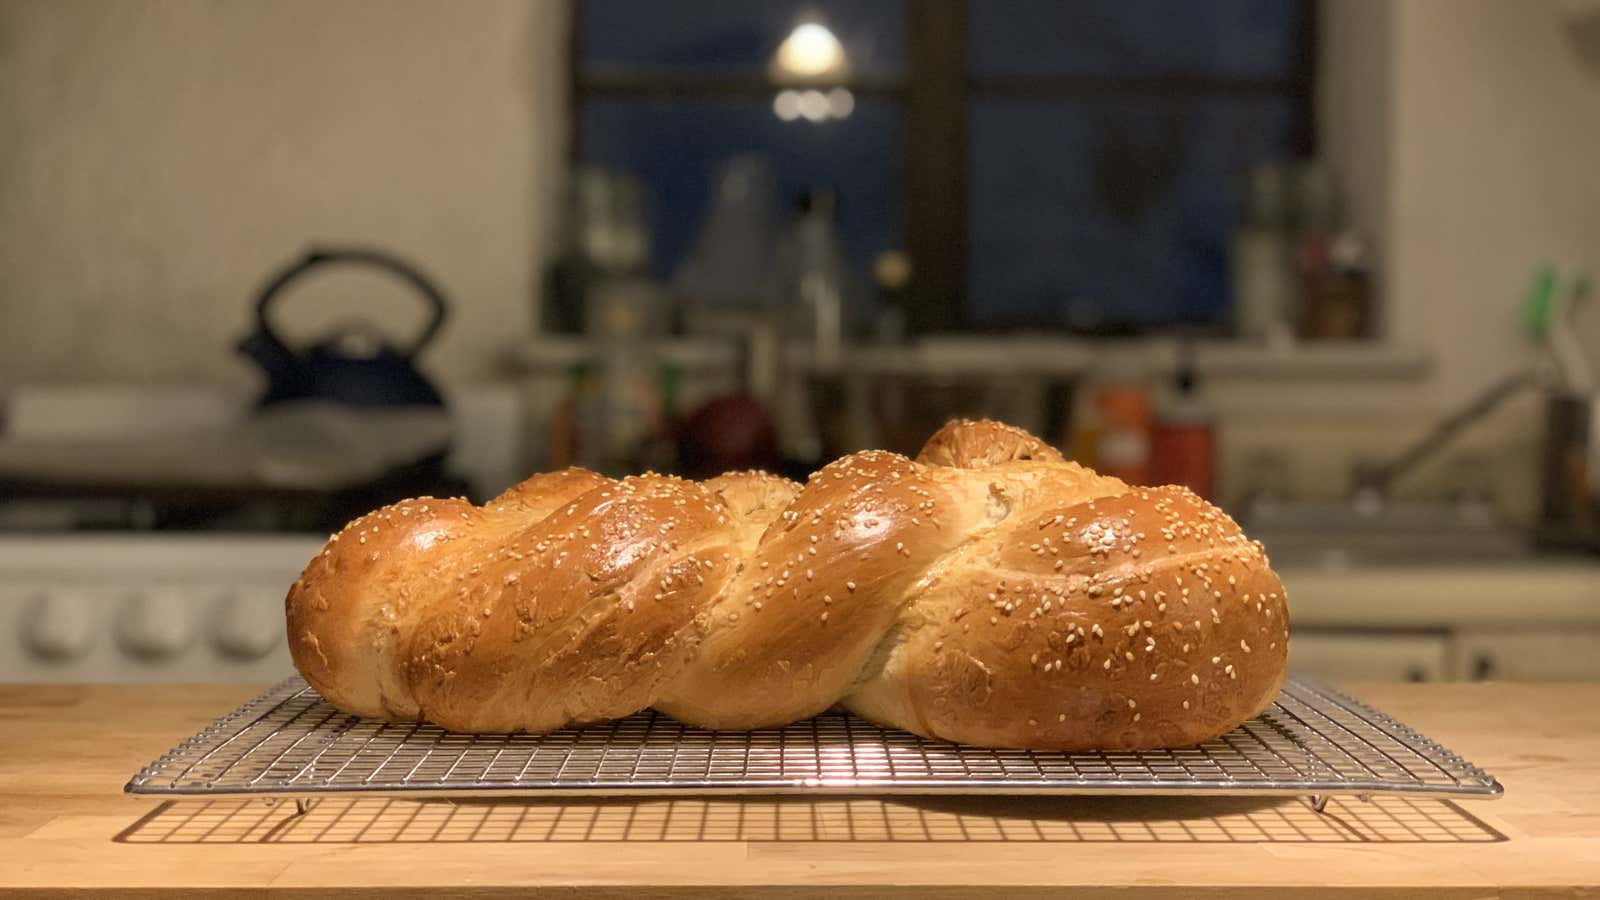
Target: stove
{"x": 146, "y": 607}
{"x": 113, "y": 587}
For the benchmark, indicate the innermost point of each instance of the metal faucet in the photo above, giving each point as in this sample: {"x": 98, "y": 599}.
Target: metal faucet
{"x": 1372, "y": 481}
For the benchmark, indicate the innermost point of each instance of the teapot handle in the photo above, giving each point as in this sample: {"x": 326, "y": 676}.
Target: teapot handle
{"x": 318, "y": 256}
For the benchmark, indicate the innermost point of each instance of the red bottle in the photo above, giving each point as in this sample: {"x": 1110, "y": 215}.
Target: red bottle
{"x": 1183, "y": 440}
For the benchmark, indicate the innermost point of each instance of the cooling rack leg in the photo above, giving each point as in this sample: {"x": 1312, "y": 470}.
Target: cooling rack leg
{"x": 1317, "y": 802}
{"x": 303, "y": 805}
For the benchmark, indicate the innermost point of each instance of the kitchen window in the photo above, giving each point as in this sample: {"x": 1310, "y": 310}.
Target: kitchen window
{"x": 1069, "y": 165}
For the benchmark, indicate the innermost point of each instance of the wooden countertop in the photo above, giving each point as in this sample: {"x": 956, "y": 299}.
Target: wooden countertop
{"x": 66, "y": 827}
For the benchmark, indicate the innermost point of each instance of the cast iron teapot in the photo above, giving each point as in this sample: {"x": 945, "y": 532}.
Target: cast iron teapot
{"x": 353, "y": 365}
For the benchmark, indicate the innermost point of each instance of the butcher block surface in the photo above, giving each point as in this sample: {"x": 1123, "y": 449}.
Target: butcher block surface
{"x": 67, "y": 828}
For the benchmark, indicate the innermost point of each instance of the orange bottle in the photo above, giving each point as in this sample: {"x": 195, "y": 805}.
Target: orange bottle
{"x": 1124, "y": 445}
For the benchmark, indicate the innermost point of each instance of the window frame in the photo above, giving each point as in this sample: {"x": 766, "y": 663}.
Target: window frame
{"x": 936, "y": 97}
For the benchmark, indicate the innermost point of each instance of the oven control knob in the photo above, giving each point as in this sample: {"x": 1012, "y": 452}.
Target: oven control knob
{"x": 154, "y": 626}
{"x": 248, "y": 627}
{"x": 60, "y": 626}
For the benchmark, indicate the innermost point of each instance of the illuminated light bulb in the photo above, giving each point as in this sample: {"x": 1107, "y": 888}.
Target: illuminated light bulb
{"x": 787, "y": 105}
{"x": 809, "y": 52}
{"x": 841, "y": 102}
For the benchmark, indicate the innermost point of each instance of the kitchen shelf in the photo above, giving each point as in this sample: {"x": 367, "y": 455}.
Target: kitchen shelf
{"x": 1038, "y": 356}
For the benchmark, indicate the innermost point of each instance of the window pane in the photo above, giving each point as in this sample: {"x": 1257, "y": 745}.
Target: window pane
{"x": 735, "y": 36}
{"x": 1243, "y": 38}
{"x": 1110, "y": 214}
{"x": 675, "y": 146}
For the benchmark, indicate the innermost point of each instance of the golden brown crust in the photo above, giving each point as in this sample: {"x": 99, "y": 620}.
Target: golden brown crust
{"x": 989, "y": 593}
{"x": 969, "y": 444}
{"x": 622, "y": 573}
{"x": 1142, "y": 619}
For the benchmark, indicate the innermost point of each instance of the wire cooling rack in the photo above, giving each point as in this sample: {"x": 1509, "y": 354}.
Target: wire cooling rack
{"x": 1312, "y": 741}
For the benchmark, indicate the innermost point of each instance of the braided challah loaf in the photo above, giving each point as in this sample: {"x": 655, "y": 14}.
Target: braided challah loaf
{"x": 988, "y": 593}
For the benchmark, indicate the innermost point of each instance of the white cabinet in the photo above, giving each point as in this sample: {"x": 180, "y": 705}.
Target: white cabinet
{"x": 1536, "y": 620}
{"x": 1336, "y": 656}
{"x": 1543, "y": 655}
{"x": 1479, "y": 654}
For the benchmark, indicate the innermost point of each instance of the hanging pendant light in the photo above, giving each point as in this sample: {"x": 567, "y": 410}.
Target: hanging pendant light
{"x": 810, "y": 54}
{"x": 808, "y": 60}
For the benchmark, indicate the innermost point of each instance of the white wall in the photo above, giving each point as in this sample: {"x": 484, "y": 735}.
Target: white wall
{"x": 1495, "y": 143}
{"x": 1466, "y": 133}
{"x": 157, "y": 159}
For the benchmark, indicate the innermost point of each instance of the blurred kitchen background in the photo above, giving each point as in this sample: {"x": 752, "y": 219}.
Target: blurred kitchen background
{"x": 265, "y": 265}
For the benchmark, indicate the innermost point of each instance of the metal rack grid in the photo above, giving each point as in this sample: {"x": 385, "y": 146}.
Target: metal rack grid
{"x": 1313, "y": 741}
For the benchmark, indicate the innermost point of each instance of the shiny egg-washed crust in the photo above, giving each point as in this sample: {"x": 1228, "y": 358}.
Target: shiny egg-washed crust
{"x": 988, "y": 592}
